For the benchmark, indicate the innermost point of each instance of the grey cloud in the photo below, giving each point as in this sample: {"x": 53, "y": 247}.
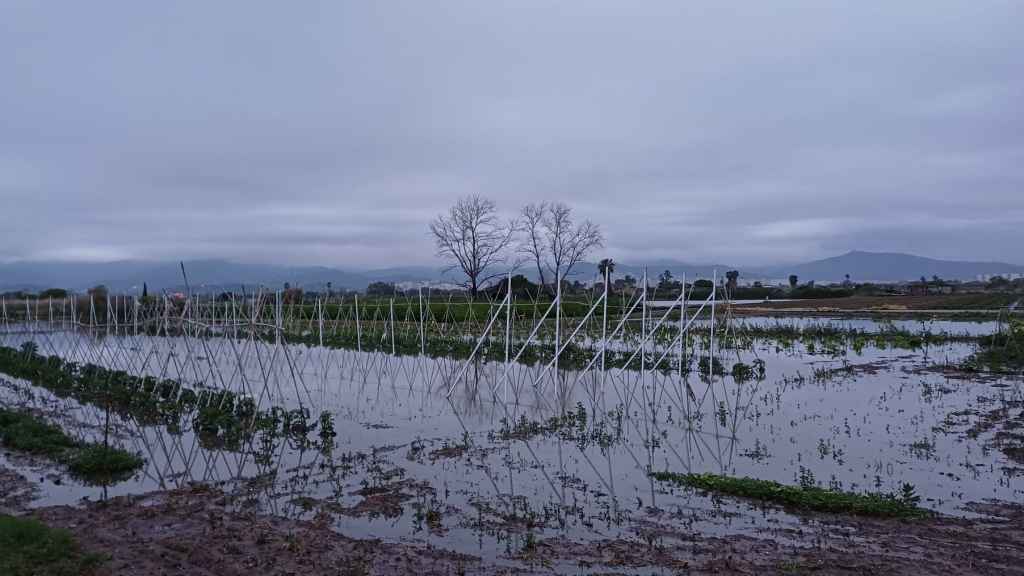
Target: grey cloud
{"x": 332, "y": 132}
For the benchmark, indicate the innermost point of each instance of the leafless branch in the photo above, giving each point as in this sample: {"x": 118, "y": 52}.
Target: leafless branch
{"x": 472, "y": 238}
{"x": 552, "y": 240}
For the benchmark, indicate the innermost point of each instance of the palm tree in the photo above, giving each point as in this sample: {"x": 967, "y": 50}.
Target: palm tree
{"x": 606, "y": 266}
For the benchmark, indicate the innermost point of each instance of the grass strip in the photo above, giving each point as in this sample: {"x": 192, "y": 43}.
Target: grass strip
{"x": 29, "y": 548}
{"x": 221, "y": 418}
{"x": 813, "y": 498}
{"x": 89, "y": 462}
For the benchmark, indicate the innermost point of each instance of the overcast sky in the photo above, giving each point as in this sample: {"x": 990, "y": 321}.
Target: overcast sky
{"x": 298, "y": 132}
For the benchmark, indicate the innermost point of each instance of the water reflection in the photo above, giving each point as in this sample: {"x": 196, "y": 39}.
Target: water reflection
{"x": 509, "y": 454}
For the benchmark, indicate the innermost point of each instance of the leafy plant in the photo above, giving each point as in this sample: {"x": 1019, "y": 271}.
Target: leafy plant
{"x": 91, "y": 463}
{"x": 804, "y": 497}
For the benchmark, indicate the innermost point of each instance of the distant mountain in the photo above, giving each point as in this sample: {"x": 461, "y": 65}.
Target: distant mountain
{"x": 203, "y": 276}
{"x": 221, "y": 275}
{"x": 887, "y": 267}
{"x": 218, "y": 275}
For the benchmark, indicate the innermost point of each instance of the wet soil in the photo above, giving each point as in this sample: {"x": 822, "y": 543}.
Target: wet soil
{"x": 385, "y": 500}
{"x": 194, "y": 531}
{"x": 1006, "y": 423}
{"x": 198, "y": 531}
{"x": 839, "y": 545}
{"x": 16, "y": 491}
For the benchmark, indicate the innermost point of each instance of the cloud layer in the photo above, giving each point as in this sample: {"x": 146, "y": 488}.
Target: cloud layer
{"x": 331, "y": 133}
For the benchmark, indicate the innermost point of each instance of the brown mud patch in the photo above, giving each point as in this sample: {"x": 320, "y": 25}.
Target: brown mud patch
{"x": 385, "y": 500}
{"x": 193, "y": 531}
{"x": 852, "y": 370}
{"x": 1002, "y": 428}
{"x": 958, "y": 372}
{"x": 16, "y": 492}
{"x": 199, "y": 530}
{"x": 835, "y": 545}
{"x": 449, "y": 451}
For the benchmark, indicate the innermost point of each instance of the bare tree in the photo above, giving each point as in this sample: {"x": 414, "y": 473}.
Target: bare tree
{"x": 473, "y": 239}
{"x": 534, "y": 243}
{"x": 553, "y": 241}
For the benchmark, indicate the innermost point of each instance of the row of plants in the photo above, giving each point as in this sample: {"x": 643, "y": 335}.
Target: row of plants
{"x": 220, "y": 418}
{"x": 806, "y": 496}
{"x": 369, "y": 310}
{"x": 826, "y": 339}
{"x": 573, "y": 356}
{"x": 375, "y": 336}
{"x": 830, "y": 337}
{"x": 92, "y": 463}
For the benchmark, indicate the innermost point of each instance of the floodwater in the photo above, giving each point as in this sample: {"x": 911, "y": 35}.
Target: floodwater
{"x": 883, "y": 419}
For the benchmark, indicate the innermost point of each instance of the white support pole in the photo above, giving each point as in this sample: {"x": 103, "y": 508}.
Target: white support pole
{"x": 423, "y": 322}
{"x": 643, "y": 325}
{"x": 508, "y": 327}
{"x": 391, "y": 312}
{"x": 558, "y": 321}
{"x": 604, "y": 331}
{"x": 472, "y": 355}
{"x": 682, "y": 327}
{"x": 643, "y": 346}
{"x": 277, "y": 316}
{"x": 320, "y": 314}
{"x": 711, "y": 347}
{"x": 359, "y": 333}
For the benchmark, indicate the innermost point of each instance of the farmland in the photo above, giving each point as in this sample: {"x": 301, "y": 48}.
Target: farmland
{"x": 505, "y": 436}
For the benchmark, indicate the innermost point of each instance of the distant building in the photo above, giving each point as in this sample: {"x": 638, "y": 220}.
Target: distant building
{"x": 1008, "y": 276}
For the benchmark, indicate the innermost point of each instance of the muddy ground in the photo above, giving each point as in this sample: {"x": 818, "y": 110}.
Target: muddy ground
{"x": 16, "y": 491}
{"x": 197, "y": 531}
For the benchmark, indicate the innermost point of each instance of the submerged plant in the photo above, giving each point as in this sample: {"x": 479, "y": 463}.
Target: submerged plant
{"x": 572, "y": 426}
{"x": 327, "y": 432}
{"x": 1002, "y": 352}
{"x": 99, "y": 464}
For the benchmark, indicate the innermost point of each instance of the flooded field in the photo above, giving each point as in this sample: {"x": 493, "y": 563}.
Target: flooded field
{"x": 489, "y": 458}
